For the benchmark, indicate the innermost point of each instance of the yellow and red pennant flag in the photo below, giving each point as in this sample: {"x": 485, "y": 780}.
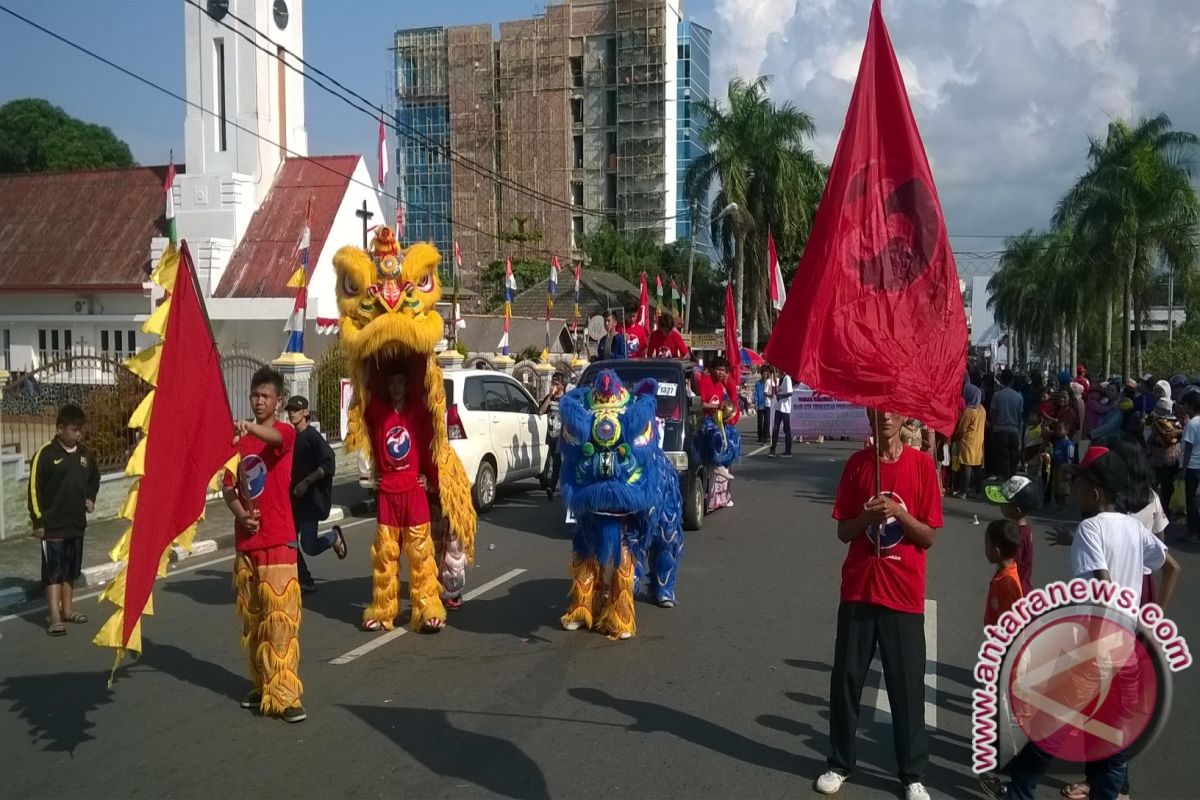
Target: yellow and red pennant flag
{"x": 187, "y": 434}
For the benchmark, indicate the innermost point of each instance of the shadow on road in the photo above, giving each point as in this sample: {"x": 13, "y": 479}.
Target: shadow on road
{"x": 523, "y": 610}
{"x": 428, "y": 736}
{"x": 56, "y": 707}
{"x": 183, "y": 666}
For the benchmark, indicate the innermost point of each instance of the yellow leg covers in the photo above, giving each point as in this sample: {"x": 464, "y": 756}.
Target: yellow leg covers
{"x": 385, "y": 569}
{"x": 584, "y": 576}
{"x": 423, "y": 586}
{"x": 617, "y": 620}
{"x": 268, "y": 602}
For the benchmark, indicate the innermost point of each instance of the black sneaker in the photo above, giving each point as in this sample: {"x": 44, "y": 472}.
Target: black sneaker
{"x": 295, "y": 714}
{"x": 252, "y": 700}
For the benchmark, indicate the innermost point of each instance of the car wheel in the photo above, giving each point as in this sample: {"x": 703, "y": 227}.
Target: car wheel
{"x": 483, "y": 494}
{"x": 693, "y": 502}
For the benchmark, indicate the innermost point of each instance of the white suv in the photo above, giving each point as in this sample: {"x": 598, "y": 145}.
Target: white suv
{"x": 494, "y": 426}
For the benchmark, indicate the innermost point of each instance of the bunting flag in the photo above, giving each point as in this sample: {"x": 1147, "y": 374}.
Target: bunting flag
{"x": 299, "y": 281}
{"x": 399, "y": 218}
{"x": 510, "y": 291}
{"x": 643, "y": 312}
{"x": 733, "y": 347}
{"x": 180, "y": 454}
{"x": 778, "y": 292}
{"x": 876, "y": 315}
{"x": 676, "y": 301}
{"x": 455, "y": 310}
{"x": 551, "y": 291}
{"x": 381, "y": 177}
{"x": 658, "y": 295}
{"x": 457, "y": 259}
{"x": 578, "y": 316}
{"x": 169, "y": 191}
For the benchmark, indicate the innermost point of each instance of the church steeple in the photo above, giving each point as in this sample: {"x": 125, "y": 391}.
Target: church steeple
{"x": 245, "y": 88}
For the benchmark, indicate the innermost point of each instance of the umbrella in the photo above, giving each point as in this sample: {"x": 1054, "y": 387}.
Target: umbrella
{"x": 751, "y": 358}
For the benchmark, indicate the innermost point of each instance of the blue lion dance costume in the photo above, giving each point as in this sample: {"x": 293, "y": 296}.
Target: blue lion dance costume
{"x": 625, "y": 498}
{"x": 719, "y": 444}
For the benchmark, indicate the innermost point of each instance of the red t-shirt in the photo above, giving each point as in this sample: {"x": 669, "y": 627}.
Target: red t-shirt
{"x": 1024, "y": 558}
{"x": 895, "y": 578}
{"x": 263, "y": 484}
{"x": 635, "y": 341}
{"x": 711, "y": 391}
{"x": 667, "y": 344}
{"x": 1003, "y": 591}
{"x": 402, "y": 443}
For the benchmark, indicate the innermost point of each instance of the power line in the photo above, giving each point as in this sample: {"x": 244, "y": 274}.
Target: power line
{"x": 175, "y": 95}
{"x": 422, "y": 139}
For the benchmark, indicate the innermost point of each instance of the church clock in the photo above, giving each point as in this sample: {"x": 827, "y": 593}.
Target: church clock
{"x": 280, "y": 10}
{"x": 217, "y": 9}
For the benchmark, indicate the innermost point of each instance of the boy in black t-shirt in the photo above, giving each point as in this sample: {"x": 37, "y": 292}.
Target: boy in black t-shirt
{"x": 312, "y": 488}
{"x": 63, "y": 483}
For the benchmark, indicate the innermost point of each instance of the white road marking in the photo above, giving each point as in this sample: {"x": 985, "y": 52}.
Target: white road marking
{"x": 89, "y": 595}
{"x": 883, "y": 709}
{"x": 380, "y": 641}
{"x": 759, "y": 450}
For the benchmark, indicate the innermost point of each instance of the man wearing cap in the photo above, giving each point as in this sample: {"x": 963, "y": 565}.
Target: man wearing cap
{"x": 312, "y": 490}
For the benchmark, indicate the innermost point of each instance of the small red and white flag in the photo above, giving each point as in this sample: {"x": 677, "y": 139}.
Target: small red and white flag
{"x": 381, "y": 178}
{"x": 778, "y": 292}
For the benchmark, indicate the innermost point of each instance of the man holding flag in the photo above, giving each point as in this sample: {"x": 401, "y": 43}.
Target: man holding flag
{"x": 876, "y": 318}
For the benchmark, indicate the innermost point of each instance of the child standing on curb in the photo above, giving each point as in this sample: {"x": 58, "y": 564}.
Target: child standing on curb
{"x": 63, "y": 484}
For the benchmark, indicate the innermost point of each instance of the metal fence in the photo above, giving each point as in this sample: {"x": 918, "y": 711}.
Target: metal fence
{"x": 106, "y": 391}
{"x": 238, "y": 367}
{"x": 327, "y": 388}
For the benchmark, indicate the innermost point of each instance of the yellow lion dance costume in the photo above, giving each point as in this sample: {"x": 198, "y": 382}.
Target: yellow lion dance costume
{"x": 389, "y": 328}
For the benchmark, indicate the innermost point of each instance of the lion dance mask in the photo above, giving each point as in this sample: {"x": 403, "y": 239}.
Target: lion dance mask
{"x": 624, "y": 495}
{"x": 397, "y": 419}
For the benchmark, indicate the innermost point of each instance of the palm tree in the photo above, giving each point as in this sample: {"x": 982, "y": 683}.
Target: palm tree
{"x": 756, "y": 155}
{"x": 1135, "y": 204}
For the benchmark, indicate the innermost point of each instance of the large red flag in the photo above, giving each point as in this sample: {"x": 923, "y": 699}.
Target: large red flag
{"x": 733, "y": 346}
{"x": 875, "y": 315}
{"x": 187, "y": 438}
{"x": 643, "y": 312}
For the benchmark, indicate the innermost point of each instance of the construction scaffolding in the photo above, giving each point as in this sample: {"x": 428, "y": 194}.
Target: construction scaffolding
{"x": 641, "y": 113}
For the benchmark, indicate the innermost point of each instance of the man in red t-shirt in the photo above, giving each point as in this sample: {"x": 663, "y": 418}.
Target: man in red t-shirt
{"x": 402, "y": 441}
{"x": 883, "y": 599}
{"x": 666, "y": 341}
{"x": 264, "y": 571}
{"x": 719, "y": 442}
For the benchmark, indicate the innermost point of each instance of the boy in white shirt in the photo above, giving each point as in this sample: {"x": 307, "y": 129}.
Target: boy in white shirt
{"x": 781, "y": 407}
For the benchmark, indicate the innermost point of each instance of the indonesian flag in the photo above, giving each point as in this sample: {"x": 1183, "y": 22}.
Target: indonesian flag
{"x": 876, "y": 316}
{"x": 381, "y": 178}
{"x": 169, "y": 191}
{"x": 778, "y": 292}
{"x": 457, "y": 258}
{"x": 658, "y": 294}
{"x": 643, "y": 313}
{"x": 510, "y": 291}
{"x": 299, "y": 281}
{"x": 399, "y": 219}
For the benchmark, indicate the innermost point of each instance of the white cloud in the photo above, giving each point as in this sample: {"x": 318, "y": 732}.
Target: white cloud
{"x": 1006, "y": 92}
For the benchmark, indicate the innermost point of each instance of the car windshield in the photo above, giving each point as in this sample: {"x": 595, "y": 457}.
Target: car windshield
{"x": 670, "y": 393}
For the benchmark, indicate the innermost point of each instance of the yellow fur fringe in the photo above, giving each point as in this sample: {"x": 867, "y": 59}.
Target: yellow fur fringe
{"x": 385, "y": 580}
{"x": 424, "y": 588}
{"x": 584, "y": 576}
{"x": 270, "y": 631}
{"x": 618, "y": 611}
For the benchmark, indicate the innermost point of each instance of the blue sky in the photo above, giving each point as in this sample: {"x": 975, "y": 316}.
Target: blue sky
{"x": 147, "y": 35}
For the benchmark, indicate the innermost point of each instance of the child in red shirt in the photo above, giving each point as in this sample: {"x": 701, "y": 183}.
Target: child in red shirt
{"x": 666, "y": 341}
{"x": 883, "y": 599}
{"x": 1017, "y": 497}
{"x": 401, "y": 442}
{"x": 1000, "y": 544}
{"x": 264, "y": 572}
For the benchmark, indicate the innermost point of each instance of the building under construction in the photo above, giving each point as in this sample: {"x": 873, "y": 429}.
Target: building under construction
{"x": 517, "y": 146}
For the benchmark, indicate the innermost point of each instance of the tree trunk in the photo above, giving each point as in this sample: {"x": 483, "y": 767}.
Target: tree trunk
{"x": 739, "y": 277}
{"x": 1126, "y": 318}
{"x": 1108, "y": 325}
{"x": 1074, "y": 340}
{"x": 1137, "y": 336}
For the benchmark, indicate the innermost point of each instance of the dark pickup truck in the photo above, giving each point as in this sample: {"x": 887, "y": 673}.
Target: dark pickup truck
{"x": 680, "y": 411}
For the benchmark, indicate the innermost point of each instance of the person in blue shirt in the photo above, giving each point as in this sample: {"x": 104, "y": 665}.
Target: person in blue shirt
{"x": 612, "y": 345}
{"x": 760, "y": 405}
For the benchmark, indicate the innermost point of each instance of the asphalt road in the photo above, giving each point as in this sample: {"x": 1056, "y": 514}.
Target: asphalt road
{"x": 722, "y": 696}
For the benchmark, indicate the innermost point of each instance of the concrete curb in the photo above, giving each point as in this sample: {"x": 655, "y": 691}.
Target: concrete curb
{"x": 14, "y": 597}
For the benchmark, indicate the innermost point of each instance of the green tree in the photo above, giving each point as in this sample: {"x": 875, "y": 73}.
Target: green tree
{"x": 757, "y": 157}
{"x": 36, "y": 136}
{"x": 527, "y": 272}
{"x": 1134, "y": 206}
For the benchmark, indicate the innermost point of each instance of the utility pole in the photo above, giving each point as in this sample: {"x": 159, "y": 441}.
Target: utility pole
{"x": 687, "y": 305}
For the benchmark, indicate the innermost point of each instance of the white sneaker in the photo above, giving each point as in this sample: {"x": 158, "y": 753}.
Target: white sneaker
{"x": 915, "y": 791}
{"x": 830, "y": 782}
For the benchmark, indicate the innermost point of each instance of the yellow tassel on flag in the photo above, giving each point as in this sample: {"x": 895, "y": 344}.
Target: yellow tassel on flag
{"x": 145, "y": 364}
{"x": 298, "y": 280}
{"x": 156, "y": 324}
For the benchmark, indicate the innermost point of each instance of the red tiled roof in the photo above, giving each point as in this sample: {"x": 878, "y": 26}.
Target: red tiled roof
{"x": 266, "y": 257}
{"x": 79, "y": 231}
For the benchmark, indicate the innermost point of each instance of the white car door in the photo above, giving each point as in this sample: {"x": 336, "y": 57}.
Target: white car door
{"x": 477, "y": 424}
{"x": 530, "y": 445}
{"x": 503, "y": 427}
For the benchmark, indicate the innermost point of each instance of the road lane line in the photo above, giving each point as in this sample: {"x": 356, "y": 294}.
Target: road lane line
{"x": 380, "y": 641}
{"x": 756, "y": 452}
{"x": 42, "y": 606}
{"x": 883, "y": 708}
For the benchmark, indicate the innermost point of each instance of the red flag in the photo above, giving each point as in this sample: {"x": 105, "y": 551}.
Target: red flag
{"x": 778, "y": 292}
{"x": 875, "y": 315}
{"x": 643, "y": 313}
{"x": 733, "y": 346}
{"x": 381, "y": 176}
{"x": 181, "y": 451}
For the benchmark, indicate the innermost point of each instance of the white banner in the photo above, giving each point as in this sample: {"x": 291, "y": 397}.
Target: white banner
{"x": 815, "y": 414}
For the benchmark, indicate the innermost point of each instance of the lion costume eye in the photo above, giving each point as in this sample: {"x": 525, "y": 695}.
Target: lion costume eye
{"x": 426, "y": 284}
{"x": 348, "y": 287}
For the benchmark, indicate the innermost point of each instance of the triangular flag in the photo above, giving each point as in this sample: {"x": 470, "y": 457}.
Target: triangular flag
{"x": 778, "y": 292}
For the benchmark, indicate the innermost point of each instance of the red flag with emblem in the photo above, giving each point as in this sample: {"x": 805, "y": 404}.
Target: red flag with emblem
{"x": 875, "y": 315}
